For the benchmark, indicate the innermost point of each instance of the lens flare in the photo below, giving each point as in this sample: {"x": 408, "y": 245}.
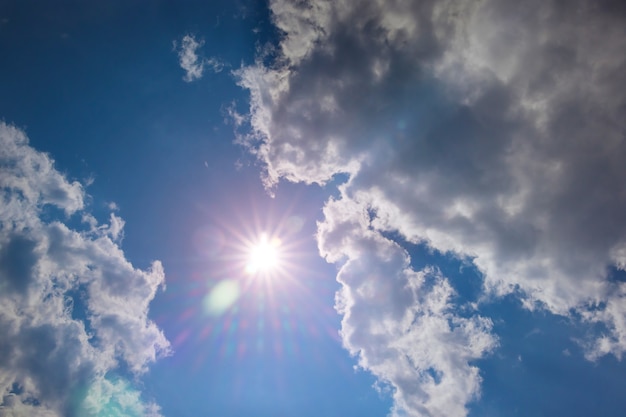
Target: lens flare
{"x": 221, "y": 297}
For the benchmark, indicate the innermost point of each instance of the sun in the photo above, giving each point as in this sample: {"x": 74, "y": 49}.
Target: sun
{"x": 263, "y": 255}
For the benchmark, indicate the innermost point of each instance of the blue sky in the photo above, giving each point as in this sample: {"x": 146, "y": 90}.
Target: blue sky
{"x": 441, "y": 182}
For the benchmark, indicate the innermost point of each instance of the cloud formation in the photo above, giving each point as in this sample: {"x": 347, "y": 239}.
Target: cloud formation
{"x": 193, "y": 64}
{"x": 72, "y": 308}
{"x": 399, "y": 322}
{"x": 487, "y": 129}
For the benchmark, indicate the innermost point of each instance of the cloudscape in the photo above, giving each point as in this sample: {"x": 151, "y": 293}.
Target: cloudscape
{"x": 372, "y": 208}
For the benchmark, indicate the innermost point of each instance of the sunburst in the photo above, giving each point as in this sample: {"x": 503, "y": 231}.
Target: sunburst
{"x": 264, "y": 255}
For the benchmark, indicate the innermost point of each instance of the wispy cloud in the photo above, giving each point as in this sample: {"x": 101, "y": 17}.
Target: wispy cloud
{"x": 189, "y": 60}
{"x": 192, "y": 62}
{"x": 490, "y": 130}
{"x": 72, "y": 307}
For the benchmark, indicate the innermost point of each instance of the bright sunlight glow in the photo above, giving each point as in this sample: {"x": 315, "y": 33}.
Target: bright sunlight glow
{"x": 263, "y": 256}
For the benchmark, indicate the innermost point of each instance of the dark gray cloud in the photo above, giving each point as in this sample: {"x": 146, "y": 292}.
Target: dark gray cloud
{"x": 57, "y": 350}
{"x": 494, "y": 130}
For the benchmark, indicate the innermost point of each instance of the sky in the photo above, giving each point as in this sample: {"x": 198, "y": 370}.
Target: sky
{"x": 314, "y": 208}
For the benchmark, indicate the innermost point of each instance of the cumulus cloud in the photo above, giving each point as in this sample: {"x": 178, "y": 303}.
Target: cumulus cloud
{"x": 493, "y": 130}
{"x": 193, "y": 64}
{"x": 72, "y": 308}
{"x": 400, "y": 322}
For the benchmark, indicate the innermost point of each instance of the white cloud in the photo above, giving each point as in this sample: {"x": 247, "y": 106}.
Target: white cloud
{"x": 400, "y": 322}
{"x": 193, "y": 64}
{"x": 492, "y": 130}
{"x": 116, "y": 399}
{"x": 71, "y": 306}
{"x": 189, "y": 60}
